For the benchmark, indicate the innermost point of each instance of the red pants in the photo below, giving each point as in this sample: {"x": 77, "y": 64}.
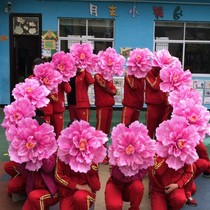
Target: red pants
{"x": 80, "y": 200}
{"x": 40, "y": 199}
{"x": 79, "y": 113}
{"x": 104, "y": 119}
{"x": 173, "y": 201}
{"x": 130, "y": 192}
{"x": 57, "y": 120}
{"x": 203, "y": 154}
{"x": 154, "y": 117}
{"x": 17, "y": 183}
{"x": 129, "y": 115}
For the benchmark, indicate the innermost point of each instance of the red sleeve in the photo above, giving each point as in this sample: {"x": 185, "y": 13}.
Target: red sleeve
{"x": 60, "y": 176}
{"x": 66, "y": 87}
{"x": 49, "y": 164}
{"x": 93, "y": 178}
{"x": 89, "y": 78}
{"x": 188, "y": 174}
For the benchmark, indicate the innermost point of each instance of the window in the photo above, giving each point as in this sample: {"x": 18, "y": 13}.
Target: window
{"x": 189, "y": 41}
{"x": 99, "y": 32}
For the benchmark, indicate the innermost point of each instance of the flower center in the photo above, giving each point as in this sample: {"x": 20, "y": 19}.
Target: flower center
{"x": 46, "y": 81}
{"x": 82, "y": 144}
{"x": 193, "y": 118}
{"x": 82, "y": 56}
{"x": 110, "y": 62}
{"x": 61, "y": 67}
{"x": 29, "y": 89}
{"x": 130, "y": 150}
{"x": 30, "y": 145}
{"x": 181, "y": 143}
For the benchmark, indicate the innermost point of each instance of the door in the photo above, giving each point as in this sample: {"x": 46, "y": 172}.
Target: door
{"x": 25, "y": 45}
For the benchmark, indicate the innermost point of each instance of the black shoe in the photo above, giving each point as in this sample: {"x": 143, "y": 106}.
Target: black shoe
{"x": 206, "y": 174}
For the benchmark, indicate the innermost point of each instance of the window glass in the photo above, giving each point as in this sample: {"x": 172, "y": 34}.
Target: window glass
{"x": 197, "y": 58}
{"x": 197, "y": 31}
{"x": 171, "y": 31}
{"x": 72, "y": 27}
{"x": 100, "y": 28}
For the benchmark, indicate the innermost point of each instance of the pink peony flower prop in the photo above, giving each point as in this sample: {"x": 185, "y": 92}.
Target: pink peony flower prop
{"x": 47, "y": 75}
{"x": 139, "y": 62}
{"x": 17, "y": 110}
{"x": 84, "y": 56}
{"x": 65, "y": 64}
{"x": 186, "y": 94}
{"x": 32, "y": 90}
{"x": 31, "y": 143}
{"x": 131, "y": 149}
{"x": 174, "y": 78}
{"x": 176, "y": 140}
{"x": 195, "y": 114}
{"x": 163, "y": 58}
{"x": 80, "y": 145}
{"x": 110, "y": 63}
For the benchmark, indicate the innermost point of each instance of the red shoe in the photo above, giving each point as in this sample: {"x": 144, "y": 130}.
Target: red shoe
{"x": 191, "y": 201}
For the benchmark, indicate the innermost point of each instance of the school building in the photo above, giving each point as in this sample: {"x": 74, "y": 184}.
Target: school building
{"x": 35, "y": 28}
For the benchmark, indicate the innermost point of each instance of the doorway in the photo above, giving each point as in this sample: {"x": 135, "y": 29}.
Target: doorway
{"x": 25, "y": 46}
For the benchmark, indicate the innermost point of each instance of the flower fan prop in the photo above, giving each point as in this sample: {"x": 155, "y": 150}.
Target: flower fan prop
{"x": 131, "y": 149}
{"x": 65, "y": 64}
{"x": 84, "y": 56}
{"x": 31, "y": 143}
{"x": 80, "y": 145}
{"x": 16, "y": 111}
{"x": 174, "y": 78}
{"x": 163, "y": 58}
{"x": 186, "y": 94}
{"x": 110, "y": 63}
{"x": 47, "y": 75}
{"x": 176, "y": 141}
{"x": 195, "y": 114}
{"x": 139, "y": 62}
{"x": 32, "y": 90}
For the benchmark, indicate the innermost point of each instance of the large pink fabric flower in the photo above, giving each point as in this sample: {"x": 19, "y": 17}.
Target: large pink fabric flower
{"x": 176, "y": 140}
{"x": 110, "y": 64}
{"x": 31, "y": 143}
{"x": 47, "y": 75}
{"x": 139, "y": 62}
{"x": 163, "y": 58}
{"x": 84, "y": 56}
{"x": 80, "y": 145}
{"x": 32, "y": 90}
{"x": 174, "y": 78}
{"x": 131, "y": 149}
{"x": 17, "y": 110}
{"x": 186, "y": 95}
{"x": 195, "y": 114}
{"x": 65, "y": 64}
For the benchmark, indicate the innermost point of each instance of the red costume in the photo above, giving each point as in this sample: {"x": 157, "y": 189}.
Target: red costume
{"x": 78, "y": 100}
{"x": 156, "y": 100}
{"x": 121, "y": 188}
{"x": 77, "y": 190}
{"x": 167, "y": 186}
{"x": 58, "y": 106}
{"x": 133, "y": 99}
{"x": 104, "y": 101}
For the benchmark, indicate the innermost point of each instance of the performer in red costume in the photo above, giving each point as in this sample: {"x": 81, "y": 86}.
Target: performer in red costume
{"x": 167, "y": 186}
{"x": 41, "y": 187}
{"x": 104, "y": 101}
{"x": 156, "y": 100}
{"x": 121, "y": 188}
{"x": 58, "y": 105}
{"x": 133, "y": 99}
{"x": 77, "y": 190}
{"x": 78, "y": 101}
